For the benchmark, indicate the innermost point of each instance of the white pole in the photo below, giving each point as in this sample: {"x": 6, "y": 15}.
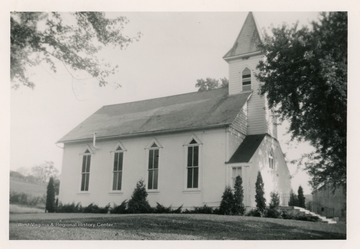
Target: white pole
{"x": 94, "y": 140}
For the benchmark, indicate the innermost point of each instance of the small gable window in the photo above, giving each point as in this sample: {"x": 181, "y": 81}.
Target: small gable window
{"x": 246, "y": 79}
{"x": 153, "y": 167}
{"x": 271, "y": 160}
{"x": 193, "y": 164}
{"x": 85, "y": 171}
{"x": 118, "y": 168}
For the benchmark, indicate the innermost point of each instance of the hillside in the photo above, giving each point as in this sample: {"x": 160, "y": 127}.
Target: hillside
{"x": 31, "y": 188}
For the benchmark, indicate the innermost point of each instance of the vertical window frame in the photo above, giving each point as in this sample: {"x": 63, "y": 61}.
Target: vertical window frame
{"x": 117, "y": 169}
{"x": 85, "y": 171}
{"x": 246, "y": 79}
{"x": 271, "y": 160}
{"x": 153, "y": 166}
{"x": 193, "y": 165}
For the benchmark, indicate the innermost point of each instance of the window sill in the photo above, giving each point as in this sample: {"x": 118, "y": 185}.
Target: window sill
{"x": 153, "y": 191}
{"x": 114, "y": 192}
{"x": 83, "y": 193}
{"x": 191, "y": 191}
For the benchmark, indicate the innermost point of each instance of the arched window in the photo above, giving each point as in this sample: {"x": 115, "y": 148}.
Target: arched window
{"x": 193, "y": 164}
{"x": 246, "y": 79}
{"x": 153, "y": 166}
{"x": 85, "y": 170}
{"x": 118, "y": 168}
{"x": 271, "y": 160}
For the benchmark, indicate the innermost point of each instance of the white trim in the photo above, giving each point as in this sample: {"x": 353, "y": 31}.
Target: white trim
{"x": 154, "y": 140}
{"x": 123, "y": 148}
{"x": 259, "y": 52}
{"x": 116, "y": 192}
{"x": 88, "y": 147}
{"x": 193, "y": 137}
{"x": 239, "y": 164}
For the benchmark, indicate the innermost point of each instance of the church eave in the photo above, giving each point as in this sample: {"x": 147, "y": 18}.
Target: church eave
{"x": 229, "y": 58}
{"x": 145, "y": 134}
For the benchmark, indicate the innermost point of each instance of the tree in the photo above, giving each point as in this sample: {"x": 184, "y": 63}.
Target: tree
{"x": 44, "y": 171}
{"x": 259, "y": 196}
{"x": 71, "y": 38}
{"x": 273, "y": 211}
{"x": 275, "y": 200}
{"x": 138, "y": 202}
{"x": 305, "y": 80}
{"x": 301, "y": 197}
{"x": 227, "y": 202}
{"x": 238, "y": 197}
{"x": 293, "y": 201}
{"x": 210, "y": 84}
{"x": 50, "y": 196}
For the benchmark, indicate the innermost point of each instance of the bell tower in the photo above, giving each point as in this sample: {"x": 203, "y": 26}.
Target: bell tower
{"x": 243, "y": 58}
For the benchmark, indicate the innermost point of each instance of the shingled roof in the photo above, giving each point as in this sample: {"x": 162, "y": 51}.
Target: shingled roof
{"x": 247, "y": 148}
{"x": 247, "y": 41}
{"x": 190, "y": 111}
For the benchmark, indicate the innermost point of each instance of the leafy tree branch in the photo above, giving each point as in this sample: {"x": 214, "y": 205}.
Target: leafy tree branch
{"x": 74, "y": 39}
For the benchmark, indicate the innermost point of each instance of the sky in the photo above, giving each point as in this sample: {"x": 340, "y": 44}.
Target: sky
{"x": 175, "y": 49}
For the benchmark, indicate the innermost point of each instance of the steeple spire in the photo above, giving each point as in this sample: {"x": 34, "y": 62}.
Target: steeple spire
{"x": 247, "y": 41}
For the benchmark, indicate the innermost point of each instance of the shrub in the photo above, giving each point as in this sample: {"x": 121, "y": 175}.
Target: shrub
{"x": 273, "y": 210}
{"x": 120, "y": 209}
{"x": 254, "y": 212}
{"x": 259, "y": 196}
{"x": 301, "y": 197}
{"x": 293, "y": 201}
{"x": 138, "y": 202}
{"x": 273, "y": 213}
{"x": 203, "y": 210}
{"x": 275, "y": 200}
{"x": 177, "y": 211}
{"x": 298, "y": 216}
{"x": 238, "y": 206}
{"x": 69, "y": 208}
{"x": 160, "y": 209}
{"x": 50, "y": 196}
{"x": 227, "y": 202}
{"x": 199, "y": 210}
{"x": 93, "y": 208}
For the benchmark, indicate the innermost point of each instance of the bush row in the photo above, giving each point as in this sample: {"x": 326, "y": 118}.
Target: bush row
{"x": 160, "y": 209}
{"x": 231, "y": 204}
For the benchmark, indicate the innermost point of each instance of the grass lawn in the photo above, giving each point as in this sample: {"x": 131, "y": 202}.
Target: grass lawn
{"x": 166, "y": 227}
{"x": 20, "y": 209}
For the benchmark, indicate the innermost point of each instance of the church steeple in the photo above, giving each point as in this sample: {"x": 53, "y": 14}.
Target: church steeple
{"x": 246, "y": 44}
{"x": 243, "y": 58}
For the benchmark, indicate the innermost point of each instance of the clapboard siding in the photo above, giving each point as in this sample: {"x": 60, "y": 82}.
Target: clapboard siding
{"x": 259, "y": 118}
{"x": 240, "y": 122}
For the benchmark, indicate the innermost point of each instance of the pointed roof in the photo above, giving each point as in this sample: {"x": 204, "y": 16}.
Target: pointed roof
{"x": 246, "y": 149}
{"x": 247, "y": 41}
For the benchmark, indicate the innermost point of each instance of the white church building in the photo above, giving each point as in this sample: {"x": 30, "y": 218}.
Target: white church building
{"x": 187, "y": 148}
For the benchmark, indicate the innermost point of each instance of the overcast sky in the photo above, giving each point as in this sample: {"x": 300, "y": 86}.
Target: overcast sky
{"x": 174, "y": 51}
